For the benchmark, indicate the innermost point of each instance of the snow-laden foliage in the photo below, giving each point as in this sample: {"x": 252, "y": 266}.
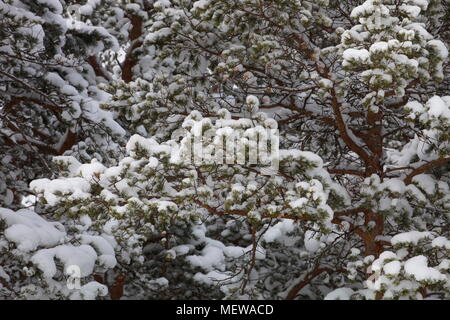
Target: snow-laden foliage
{"x": 419, "y": 263}
{"x": 49, "y": 99}
{"x": 163, "y": 218}
{"x": 358, "y": 93}
{"x": 37, "y": 256}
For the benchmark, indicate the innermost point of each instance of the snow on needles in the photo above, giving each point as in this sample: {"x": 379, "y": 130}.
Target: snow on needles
{"x": 418, "y": 268}
{"x": 44, "y": 243}
{"x": 30, "y": 231}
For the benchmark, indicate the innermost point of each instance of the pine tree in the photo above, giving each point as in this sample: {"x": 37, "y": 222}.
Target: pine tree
{"x": 357, "y": 207}
{"x": 49, "y": 100}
